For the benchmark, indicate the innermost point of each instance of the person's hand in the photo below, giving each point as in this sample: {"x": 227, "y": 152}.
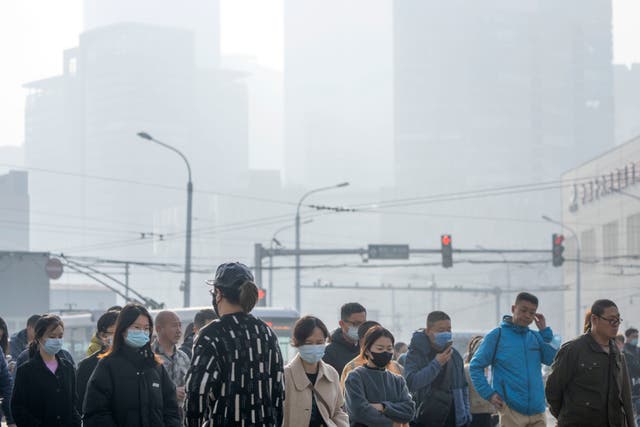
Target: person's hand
{"x": 378, "y": 406}
{"x": 541, "y": 322}
{"x": 497, "y": 401}
{"x": 445, "y": 356}
{"x": 180, "y": 393}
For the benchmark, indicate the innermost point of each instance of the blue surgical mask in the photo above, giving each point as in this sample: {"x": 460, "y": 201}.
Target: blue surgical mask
{"x": 311, "y": 353}
{"x": 442, "y": 338}
{"x": 352, "y": 333}
{"x": 53, "y": 345}
{"x": 633, "y": 342}
{"x": 137, "y": 338}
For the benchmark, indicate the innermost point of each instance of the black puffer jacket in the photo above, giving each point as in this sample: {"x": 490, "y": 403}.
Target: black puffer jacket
{"x": 129, "y": 389}
{"x": 83, "y": 373}
{"x": 340, "y": 351}
{"x": 41, "y": 398}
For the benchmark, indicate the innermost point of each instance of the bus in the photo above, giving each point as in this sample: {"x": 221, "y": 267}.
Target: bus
{"x": 80, "y": 327}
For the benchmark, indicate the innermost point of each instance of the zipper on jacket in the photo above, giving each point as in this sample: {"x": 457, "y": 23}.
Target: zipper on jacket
{"x": 526, "y": 358}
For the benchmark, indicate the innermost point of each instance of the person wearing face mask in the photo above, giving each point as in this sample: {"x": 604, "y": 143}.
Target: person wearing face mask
{"x": 105, "y": 328}
{"x": 44, "y": 393}
{"x": 392, "y": 366}
{"x": 374, "y": 396}
{"x": 313, "y": 396}
{"x": 129, "y": 386}
{"x": 434, "y": 371}
{"x": 236, "y": 373}
{"x": 632, "y": 357}
{"x": 589, "y": 384}
{"x": 516, "y": 354}
{"x": 343, "y": 346}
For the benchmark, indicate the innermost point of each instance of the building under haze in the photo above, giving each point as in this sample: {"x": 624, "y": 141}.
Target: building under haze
{"x": 627, "y": 96}
{"x": 600, "y": 203}
{"x": 14, "y": 211}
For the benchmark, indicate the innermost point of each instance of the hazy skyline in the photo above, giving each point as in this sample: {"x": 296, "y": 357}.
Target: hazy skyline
{"x": 34, "y": 35}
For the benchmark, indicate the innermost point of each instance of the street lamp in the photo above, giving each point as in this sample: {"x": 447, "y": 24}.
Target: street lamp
{"x": 275, "y": 240}
{"x": 575, "y": 235}
{"x": 187, "y": 260}
{"x": 307, "y": 194}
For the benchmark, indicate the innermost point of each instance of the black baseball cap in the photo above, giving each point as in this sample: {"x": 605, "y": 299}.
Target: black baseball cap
{"x": 230, "y": 276}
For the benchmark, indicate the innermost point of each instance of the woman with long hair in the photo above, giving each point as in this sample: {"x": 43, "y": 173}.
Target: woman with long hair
{"x": 312, "y": 387}
{"x": 129, "y": 386}
{"x": 482, "y": 411}
{"x": 44, "y": 393}
{"x": 5, "y": 374}
{"x": 4, "y": 337}
{"x": 236, "y": 373}
{"x": 375, "y": 396}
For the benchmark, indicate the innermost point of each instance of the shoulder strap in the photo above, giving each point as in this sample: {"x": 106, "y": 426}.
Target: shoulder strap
{"x": 495, "y": 349}
{"x": 321, "y": 400}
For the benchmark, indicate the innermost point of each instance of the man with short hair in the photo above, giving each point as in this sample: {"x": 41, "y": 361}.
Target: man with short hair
{"x": 104, "y": 332}
{"x": 434, "y": 372}
{"x": 200, "y": 320}
{"x": 516, "y": 354}
{"x": 20, "y": 340}
{"x": 344, "y": 340}
{"x": 176, "y": 362}
{"x": 632, "y": 357}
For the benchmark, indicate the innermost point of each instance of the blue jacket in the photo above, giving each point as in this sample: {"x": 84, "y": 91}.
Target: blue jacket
{"x": 517, "y": 372}
{"x": 6, "y": 386}
{"x": 420, "y": 372}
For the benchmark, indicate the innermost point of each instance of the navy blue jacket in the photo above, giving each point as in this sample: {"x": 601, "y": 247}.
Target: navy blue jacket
{"x": 6, "y": 385}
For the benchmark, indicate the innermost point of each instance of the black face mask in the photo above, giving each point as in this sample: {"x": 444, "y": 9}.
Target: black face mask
{"x": 381, "y": 359}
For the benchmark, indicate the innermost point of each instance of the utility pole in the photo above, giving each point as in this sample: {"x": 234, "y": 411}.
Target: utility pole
{"x": 126, "y": 281}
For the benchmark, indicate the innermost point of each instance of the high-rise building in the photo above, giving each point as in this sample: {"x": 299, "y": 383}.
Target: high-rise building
{"x": 627, "y": 96}
{"x": 338, "y": 93}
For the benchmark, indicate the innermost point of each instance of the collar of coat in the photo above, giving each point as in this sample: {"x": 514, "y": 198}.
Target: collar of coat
{"x": 300, "y": 379}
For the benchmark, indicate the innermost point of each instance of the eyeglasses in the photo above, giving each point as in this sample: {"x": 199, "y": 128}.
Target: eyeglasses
{"x": 613, "y": 322}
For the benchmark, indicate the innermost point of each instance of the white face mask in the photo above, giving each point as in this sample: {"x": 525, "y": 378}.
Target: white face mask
{"x": 352, "y": 333}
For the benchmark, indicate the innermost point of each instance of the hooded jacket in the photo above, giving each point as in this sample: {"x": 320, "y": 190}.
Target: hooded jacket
{"x": 340, "y": 351}
{"x": 517, "y": 376}
{"x": 421, "y": 369}
{"x": 18, "y": 343}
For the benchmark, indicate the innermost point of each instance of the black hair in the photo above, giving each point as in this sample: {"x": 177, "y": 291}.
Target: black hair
{"x": 126, "y": 318}
{"x": 106, "y": 321}
{"x": 203, "y": 317}
{"x": 372, "y": 335}
{"x": 115, "y": 308}
{"x": 526, "y": 296}
{"x": 597, "y": 309}
{"x": 304, "y": 328}
{"x": 630, "y": 331}
{"x": 436, "y": 316}
{"x": 246, "y": 295}
{"x": 351, "y": 308}
{"x": 398, "y": 346}
{"x": 362, "y": 329}
{"x": 33, "y": 319}
{"x": 44, "y": 324}
{"x": 4, "y": 340}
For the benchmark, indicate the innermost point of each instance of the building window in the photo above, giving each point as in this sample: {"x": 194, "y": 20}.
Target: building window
{"x": 633, "y": 234}
{"x": 610, "y": 240}
{"x": 588, "y": 246}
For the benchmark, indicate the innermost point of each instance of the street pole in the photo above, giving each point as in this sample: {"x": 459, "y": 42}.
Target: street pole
{"x": 578, "y": 264}
{"x": 187, "y": 255}
{"x": 317, "y": 190}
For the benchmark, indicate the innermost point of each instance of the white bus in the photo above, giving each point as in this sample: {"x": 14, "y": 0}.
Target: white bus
{"x": 79, "y": 328}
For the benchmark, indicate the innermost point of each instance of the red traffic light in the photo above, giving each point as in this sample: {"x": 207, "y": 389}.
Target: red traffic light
{"x": 446, "y": 240}
{"x": 261, "y": 294}
{"x": 559, "y": 238}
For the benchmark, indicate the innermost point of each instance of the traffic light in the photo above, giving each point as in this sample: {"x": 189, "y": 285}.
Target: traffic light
{"x": 557, "y": 249}
{"x": 447, "y": 253}
{"x": 262, "y": 297}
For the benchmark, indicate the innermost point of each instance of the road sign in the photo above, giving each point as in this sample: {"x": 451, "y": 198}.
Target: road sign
{"x": 53, "y": 268}
{"x": 388, "y": 251}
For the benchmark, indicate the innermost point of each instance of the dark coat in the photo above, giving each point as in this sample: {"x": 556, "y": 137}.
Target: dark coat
{"x": 130, "y": 389}
{"x": 18, "y": 343}
{"x": 632, "y": 357}
{"x": 589, "y": 387}
{"x": 83, "y": 373}
{"x": 42, "y": 399}
{"x": 6, "y": 385}
{"x": 340, "y": 351}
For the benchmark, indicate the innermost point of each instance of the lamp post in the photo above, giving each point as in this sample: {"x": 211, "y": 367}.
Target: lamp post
{"x": 304, "y": 196}
{"x": 187, "y": 260}
{"x": 275, "y": 240}
{"x": 575, "y": 235}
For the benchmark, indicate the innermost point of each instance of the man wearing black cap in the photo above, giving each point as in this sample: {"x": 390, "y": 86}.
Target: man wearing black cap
{"x": 236, "y": 373}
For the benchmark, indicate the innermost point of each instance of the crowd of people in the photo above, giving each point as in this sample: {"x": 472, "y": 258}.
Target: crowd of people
{"x": 229, "y": 370}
